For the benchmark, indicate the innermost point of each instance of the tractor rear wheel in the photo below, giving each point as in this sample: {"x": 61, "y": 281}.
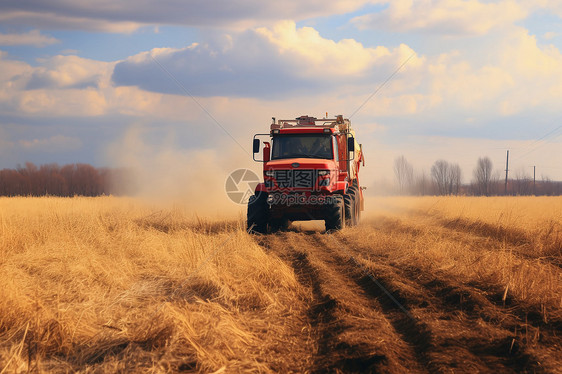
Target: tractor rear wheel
{"x": 357, "y": 200}
{"x": 349, "y": 202}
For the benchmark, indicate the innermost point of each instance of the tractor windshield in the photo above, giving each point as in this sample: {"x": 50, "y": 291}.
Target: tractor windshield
{"x": 302, "y": 145}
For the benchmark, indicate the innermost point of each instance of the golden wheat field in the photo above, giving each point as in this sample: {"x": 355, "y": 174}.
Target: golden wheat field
{"x": 448, "y": 284}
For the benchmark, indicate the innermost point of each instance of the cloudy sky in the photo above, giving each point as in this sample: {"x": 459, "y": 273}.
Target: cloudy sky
{"x": 178, "y": 84}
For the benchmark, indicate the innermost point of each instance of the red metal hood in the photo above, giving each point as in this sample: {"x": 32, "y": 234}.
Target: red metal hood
{"x": 304, "y": 163}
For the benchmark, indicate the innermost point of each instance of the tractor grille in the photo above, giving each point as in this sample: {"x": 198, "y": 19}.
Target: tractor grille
{"x": 295, "y": 178}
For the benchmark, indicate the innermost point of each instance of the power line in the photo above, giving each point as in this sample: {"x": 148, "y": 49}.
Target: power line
{"x": 541, "y": 142}
{"x": 382, "y": 84}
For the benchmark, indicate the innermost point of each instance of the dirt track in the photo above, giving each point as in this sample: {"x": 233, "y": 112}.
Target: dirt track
{"x": 368, "y": 311}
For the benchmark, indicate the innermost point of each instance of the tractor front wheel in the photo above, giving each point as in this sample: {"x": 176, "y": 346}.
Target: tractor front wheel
{"x": 279, "y": 224}
{"x": 335, "y": 214}
{"x": 258, "y": 213}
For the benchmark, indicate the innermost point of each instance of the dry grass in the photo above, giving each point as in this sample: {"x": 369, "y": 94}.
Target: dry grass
{"x": 105, "y": 284}
{"x": 108, "y": 284}
{"x": 508, "y": 245}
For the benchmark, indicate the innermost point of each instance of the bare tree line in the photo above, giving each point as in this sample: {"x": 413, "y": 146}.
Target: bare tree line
{"x": 54, "y": 180}
{"x": 445, "y": 178}
{"x": 404, "y": 173}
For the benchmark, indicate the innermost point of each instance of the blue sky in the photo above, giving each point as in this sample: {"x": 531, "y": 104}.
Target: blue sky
{"x": 159, "y": 84}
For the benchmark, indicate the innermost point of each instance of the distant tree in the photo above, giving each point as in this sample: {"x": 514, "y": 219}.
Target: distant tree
{"x": 454, "y": 179}
{"x": 422, "y": 184}
{"x": 86, "y": 180}
{"x": 497, "y": 183}
{"x": 440, "y": 175}
{"x": 69, "y": 180}
{"x": 522, "y": 184}
{"x": 546, "y": 186}
{"x": 483, "y": 176}
{"x": 446, "y": 177}
{"x": 404, "y": 173}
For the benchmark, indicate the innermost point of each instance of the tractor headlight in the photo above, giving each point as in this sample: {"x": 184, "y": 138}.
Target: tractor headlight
{"x": 323, "y": 172}
{"x": 324, "y": 182}
{"x": 270, "y": 199}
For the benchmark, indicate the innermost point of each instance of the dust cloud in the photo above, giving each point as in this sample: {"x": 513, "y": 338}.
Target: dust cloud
{"x": 166, "y": 174}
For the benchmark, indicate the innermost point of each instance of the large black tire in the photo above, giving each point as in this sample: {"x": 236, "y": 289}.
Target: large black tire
{"x": 281, "y": 224}
{"x": 335, "y": 214}
{"x": 258, "y": 213}
{"x": 349, "y": 203}
{"x": 357, "y": 198}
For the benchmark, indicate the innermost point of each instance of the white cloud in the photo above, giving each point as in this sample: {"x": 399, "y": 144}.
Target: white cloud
{"x": 443, "y": 17}
{"x": 514, "y": 74}
{"x": 324, "y": 57}
{"x": 69, "y": 71}
{"x": 459, "y": 84}
{"x": 64, "y": 103}
{"x": 61, "y": 85}
{"x": 306, "y": 45}
{"x": 33, "y": 37}
{"x": 264, "y": 62}
{"x": 285, "y": 61}
{"x": 11, "y": 70}
{"x": 55, "y": 143}
{"x": 522, "y": 52}
{"x": 550, "y": 35}
{"x": 552, "y": 6}
{"x": 537, "y": 72}
{"x": 288, "y": 64}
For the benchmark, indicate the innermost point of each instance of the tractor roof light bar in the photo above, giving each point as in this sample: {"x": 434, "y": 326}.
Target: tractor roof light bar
{"x": 305, "y": 121}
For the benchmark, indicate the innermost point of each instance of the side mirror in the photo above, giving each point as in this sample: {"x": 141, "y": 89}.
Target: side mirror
{"x": 257, "y": 145}
{"x": 351, "y": 144}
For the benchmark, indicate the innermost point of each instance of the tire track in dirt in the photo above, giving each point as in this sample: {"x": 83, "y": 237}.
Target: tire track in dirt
{"x": 353, "y": 333}
{"x": 372, "y": 313}
{"x": 321, "y": 308}
{"x": 453, "y": 306}
{"x": 395, "y": 309}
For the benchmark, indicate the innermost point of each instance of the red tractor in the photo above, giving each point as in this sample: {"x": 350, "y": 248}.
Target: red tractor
{"x": 311, "y": 172}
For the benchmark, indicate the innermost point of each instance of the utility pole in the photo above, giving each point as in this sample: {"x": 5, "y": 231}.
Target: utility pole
{"x": 506, "y": 170}
{"x": 534, "y": 179}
